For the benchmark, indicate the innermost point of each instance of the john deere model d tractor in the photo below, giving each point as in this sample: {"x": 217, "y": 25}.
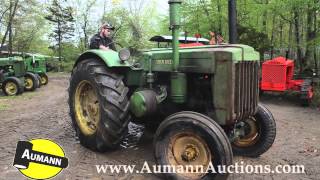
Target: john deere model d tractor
{"x": 204, "y": 98}
{"x": 14, "y": 77}
{"x": 12, "y": 72}
{"x": 36, "y": 64}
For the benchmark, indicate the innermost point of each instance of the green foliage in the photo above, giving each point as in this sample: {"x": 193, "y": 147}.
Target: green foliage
{"x": 61, "y": 16}
{"x": 134, "y": 27}
{"x": 252, "y": 37}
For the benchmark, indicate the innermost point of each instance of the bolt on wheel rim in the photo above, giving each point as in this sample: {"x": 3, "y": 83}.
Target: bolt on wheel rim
{"x": 11, "y": 88}
{"x": 251, "y": 136}
{"x": 188, "y": 149}
{"x": 87, "y": 108}
{"x": 28, "y": 83}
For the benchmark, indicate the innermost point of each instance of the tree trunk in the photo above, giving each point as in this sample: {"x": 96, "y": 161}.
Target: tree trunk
{"x": 281, "y": 34}
{"x": 10, "y": 32}
{"x": 272, "y": 35}
{"x": 219, "y": 17}
{"x": 12, "y": 9}
{"x": 290, "y": 38}
{"x": 265, "y": 17}
{"x": 85, "y": 41}
{"x": 298, "y": 39}
{"x": 314, "y": 42}
{"x": 59, "y": 40}
{"x": 309, "y": 38}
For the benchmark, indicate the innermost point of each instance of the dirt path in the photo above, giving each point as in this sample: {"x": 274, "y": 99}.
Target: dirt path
{"x": 44, "y": 114}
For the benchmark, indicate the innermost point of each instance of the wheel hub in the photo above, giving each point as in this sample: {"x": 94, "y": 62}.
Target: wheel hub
{"x": 87, "y": 108}
{"x": 28, "y": 83}
{"x": 43, "y": 79}
{"x": 190, "y": 153}
{"x": 189, "y": 150}
{"x": 11, "y": 88}
{"x": 251, "y": 133}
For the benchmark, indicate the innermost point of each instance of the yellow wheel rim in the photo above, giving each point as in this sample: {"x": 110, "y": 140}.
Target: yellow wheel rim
{"x": 43, "y": 80}
{"x": 252, "y": 135}
{"x": 87, "y": 109}
{"x": 189, "y": 150}
{"x": 28, "y": 83}
{"x": 11, "y": 88}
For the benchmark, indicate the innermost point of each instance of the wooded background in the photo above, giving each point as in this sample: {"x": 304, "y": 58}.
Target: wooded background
{"x": 64, "y": 27}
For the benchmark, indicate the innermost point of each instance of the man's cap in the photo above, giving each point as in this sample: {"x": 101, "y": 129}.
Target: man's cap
{"x": 107, "y": 26}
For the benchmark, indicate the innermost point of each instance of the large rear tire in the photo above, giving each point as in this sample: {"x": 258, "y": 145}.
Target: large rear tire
{"x": 260, "y": 134}
{"x": 191, "y": 139}
{"x": 12, "y": 86}
{"x": 99, "y": 106}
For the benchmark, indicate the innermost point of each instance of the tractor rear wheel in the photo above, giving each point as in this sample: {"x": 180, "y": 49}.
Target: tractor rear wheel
{"x": 44, "y": 79}
{"x": 191, "y": 140}
{"x": 99, "y": 106}
{"x": 31, "y": 81}
{"x": 260, "y": 134}
{"x": 12, "y": 86}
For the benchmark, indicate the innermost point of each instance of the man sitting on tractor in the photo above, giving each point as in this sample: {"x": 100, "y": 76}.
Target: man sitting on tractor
{"x": 102, "y": 40}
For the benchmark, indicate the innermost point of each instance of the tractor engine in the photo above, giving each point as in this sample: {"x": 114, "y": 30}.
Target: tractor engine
{"x": 217, "y": 81}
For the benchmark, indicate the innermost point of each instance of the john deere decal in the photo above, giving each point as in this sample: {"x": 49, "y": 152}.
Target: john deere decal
{"x": 39, "y": 158}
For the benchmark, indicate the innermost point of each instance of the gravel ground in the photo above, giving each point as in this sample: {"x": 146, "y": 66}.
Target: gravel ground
{"x": 44, "y": 114}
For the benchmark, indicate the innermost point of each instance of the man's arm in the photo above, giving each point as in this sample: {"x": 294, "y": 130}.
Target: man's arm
{"x": 104, "y": 48}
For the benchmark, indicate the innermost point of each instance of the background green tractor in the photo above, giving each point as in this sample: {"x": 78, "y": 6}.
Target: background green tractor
{"x": 203, "y": 101}
{"x": 36, "y": 64}
{"x": 12, "y": 72}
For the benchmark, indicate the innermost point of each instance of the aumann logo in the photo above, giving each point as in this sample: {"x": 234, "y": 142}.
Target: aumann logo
{"x": 39, "y": 158}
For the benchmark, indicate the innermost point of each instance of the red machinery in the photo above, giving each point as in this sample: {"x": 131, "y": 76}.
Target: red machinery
{"x": 277, "y": 75}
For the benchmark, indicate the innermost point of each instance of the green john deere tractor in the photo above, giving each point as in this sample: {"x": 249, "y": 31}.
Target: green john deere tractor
{"x": 12, "y": 72}
{"x": 204, "y": 100}
{"x": 36, "y": 64}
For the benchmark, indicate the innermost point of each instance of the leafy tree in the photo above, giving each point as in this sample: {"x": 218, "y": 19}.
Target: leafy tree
{"x": 63, "y": 20}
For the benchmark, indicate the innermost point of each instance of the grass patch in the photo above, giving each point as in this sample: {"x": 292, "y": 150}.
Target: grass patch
{"x": 4, "y": 107}
{"x": 25, "y": 95}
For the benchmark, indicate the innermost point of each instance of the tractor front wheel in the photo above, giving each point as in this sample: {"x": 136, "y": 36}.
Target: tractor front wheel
{"x": 260, "y": 133}
{"x": 31, "y": 82}
{"x": 39, "y": 80}
{"x": 44, "y": 79}
{"x": 193, "y": 142}
{"x": 99, "y": 106}
{"x": 12, "y": 86}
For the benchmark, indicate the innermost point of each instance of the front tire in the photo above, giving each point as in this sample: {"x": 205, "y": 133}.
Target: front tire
{"x": 44, "y": 79}
{"x": 99, "y": 106}
{"x": 260, "y": 134}
{"x": 191, "y": 139}
{"x": 31, "y": 82}
{"x": 39, "y": 80}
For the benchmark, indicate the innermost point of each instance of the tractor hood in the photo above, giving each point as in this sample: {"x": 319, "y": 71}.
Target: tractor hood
{"x": 239, "y": 52}
{"x": 200, "y": 59}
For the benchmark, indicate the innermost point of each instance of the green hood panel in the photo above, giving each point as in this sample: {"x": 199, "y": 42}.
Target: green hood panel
{"x": 239, "y": 52}
{"x": 111, "y": 58}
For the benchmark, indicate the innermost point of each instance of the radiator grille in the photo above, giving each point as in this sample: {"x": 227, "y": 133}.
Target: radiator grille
{"x": 246, "y": 89}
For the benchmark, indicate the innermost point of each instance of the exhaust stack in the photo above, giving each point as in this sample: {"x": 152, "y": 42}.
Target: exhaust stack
{"x": 233, "y": 33}
{"x": 175, "y": 28}
{"x": 178, "y": 79}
